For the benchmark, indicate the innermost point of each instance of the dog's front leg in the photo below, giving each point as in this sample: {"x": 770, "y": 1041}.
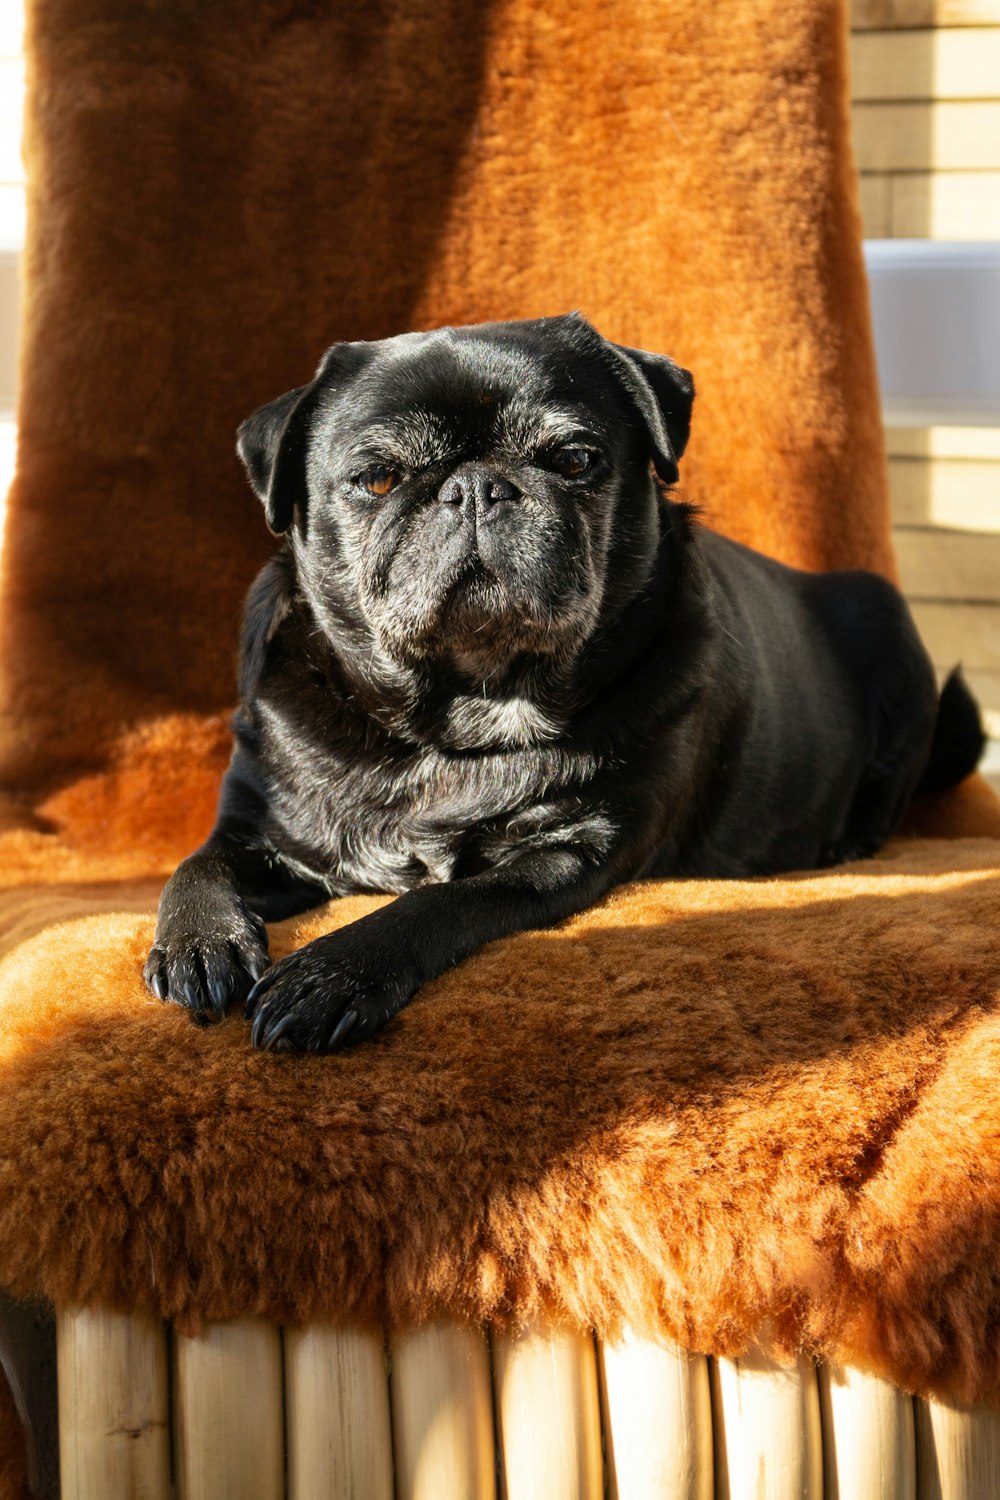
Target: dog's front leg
{"x": 342, "y": 988}
{"x": 211, "y": 945}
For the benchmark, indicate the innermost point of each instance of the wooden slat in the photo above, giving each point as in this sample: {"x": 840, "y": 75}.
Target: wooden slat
{"x": 958, "y": 1452}
{"x": 228, "y": 1421}
{"x": 944, "y": 205}
{"x": 12, "y": 222}
{"x": 874, "y": 14}
{"x": 11, "y": 165}
{"x": 869, "y": 1451}
{"x": 337, "y": 1414}
{"x": 876, "y": 205}
{"x": 907, "y": 13}
{"x": 966, "y": 633}
{"x": 962, "y": 63}
{"x": 767, "y": 1430}
{"x": 979, "y": 443}
{"x": 920, "y": 137}
{"x": 114, "y": 1437}
{"x": 939, "y": 564}
{"x": 657, "y": 1416}
{"x": 443, "y": 1415}
{"x": 547, "y": 1416}
{"x": 959, "y": 494}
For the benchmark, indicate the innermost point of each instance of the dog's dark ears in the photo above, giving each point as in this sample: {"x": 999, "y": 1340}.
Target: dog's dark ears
{"x": 273, "y": 442}
{"x": 661, "y": 392}
{"x": 664, "y": 396}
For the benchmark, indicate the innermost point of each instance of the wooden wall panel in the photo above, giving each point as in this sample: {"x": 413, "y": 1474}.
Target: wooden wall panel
{"x": 925, "y": 81}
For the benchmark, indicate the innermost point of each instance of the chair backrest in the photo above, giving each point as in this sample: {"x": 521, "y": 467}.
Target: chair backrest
{"x": 218, "y": 192}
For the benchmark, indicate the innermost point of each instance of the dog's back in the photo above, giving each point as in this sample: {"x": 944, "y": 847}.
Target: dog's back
{"x": 836, "y": 705}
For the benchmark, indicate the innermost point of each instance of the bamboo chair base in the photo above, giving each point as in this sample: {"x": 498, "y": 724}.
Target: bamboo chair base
{"x": 250, "y": 1412}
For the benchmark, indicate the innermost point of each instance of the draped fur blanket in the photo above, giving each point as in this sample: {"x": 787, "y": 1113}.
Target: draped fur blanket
{"x": 697, "y": 1107}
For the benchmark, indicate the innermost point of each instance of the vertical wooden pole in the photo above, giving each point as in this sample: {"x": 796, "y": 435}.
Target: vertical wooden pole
{"x": 766, "y": 1429}
{"x": 114, "y": 1438}
{"x": 958, "y": 1452}
{"x": 228, "y": 1413}
{"x": 548, "y": 1415}
{"x": 869, "y": 1450}
{"x": 337, "y": 1395}
{"x": 657, "y": 1421}
{"x": 442, "y": 1415}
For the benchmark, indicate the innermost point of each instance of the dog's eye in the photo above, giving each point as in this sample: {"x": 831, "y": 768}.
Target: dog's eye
{"x": 572, "y": 462}
{"x": 380, "y": 480}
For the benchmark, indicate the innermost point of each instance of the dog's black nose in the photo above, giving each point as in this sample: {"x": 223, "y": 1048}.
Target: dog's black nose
{"x": 478, "y": 488}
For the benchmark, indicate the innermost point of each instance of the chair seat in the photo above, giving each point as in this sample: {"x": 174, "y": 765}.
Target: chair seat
{"x": 699, "y": 1106}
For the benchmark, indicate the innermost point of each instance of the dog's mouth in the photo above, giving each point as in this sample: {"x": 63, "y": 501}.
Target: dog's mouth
{"x": 475, "y": 587}
{"x": 478, "y": 616}
{"x": 486, "y": 609}
{"x": 481, "y": 596}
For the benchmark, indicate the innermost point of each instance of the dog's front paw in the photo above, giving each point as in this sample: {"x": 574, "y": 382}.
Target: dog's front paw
{"x": 208, "y": 971}
{"x": 334, "y": 992}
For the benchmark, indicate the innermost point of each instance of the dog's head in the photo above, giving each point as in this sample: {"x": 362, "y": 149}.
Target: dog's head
{"x": 474, "y": 493}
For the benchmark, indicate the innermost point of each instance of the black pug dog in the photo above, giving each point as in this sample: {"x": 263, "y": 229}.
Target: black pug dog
{"x": 495, "y": 668}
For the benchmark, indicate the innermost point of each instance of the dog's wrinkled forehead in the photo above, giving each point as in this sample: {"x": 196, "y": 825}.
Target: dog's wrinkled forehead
{"x": 522, "y": 384}
{"x": 420, "y": 396}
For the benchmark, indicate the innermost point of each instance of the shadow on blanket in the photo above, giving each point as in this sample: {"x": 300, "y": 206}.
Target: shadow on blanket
{"x": 215, "y": 194}
{"x": 601, "y": 1122}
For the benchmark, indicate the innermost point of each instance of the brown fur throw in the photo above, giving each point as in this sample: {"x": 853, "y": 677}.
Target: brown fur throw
{"x": 697, "y": 1107}
{"x": 218, "y": 192}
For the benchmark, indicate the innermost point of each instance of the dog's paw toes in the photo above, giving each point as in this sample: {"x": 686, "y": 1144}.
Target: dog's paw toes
{"x": 309, "y": 1025}
{"x": 317, "y": 1024}
{"x": 155, "y": 973}
{"x": 285, "y": 1018}
{"x": 205, "y": 975}
{"x": 312, "y": 1003}
{"x": 251, "y": 958}
{"x": 340, "y": 1036}
{"x": 224, "y": 976}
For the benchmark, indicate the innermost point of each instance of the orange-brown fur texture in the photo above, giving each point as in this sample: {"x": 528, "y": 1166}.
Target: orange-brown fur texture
{"x": 216, "y": 193}
{"x": 698, "y": 1107}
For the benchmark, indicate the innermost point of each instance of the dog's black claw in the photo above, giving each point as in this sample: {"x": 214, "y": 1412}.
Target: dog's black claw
{"x": 344, "y": 1027}
{"x": 271, "y": 1036}
{"x": 219, "y": 991}
{"x": 158, "y": 985}
{"x": 190, "y": 994}
{"x": 260, "y": 988}
{"x": 256, "y": 965}
{"x": 259, "y": 1028}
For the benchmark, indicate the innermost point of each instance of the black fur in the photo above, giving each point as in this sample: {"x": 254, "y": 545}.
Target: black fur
{"x": 519, "y": 676}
